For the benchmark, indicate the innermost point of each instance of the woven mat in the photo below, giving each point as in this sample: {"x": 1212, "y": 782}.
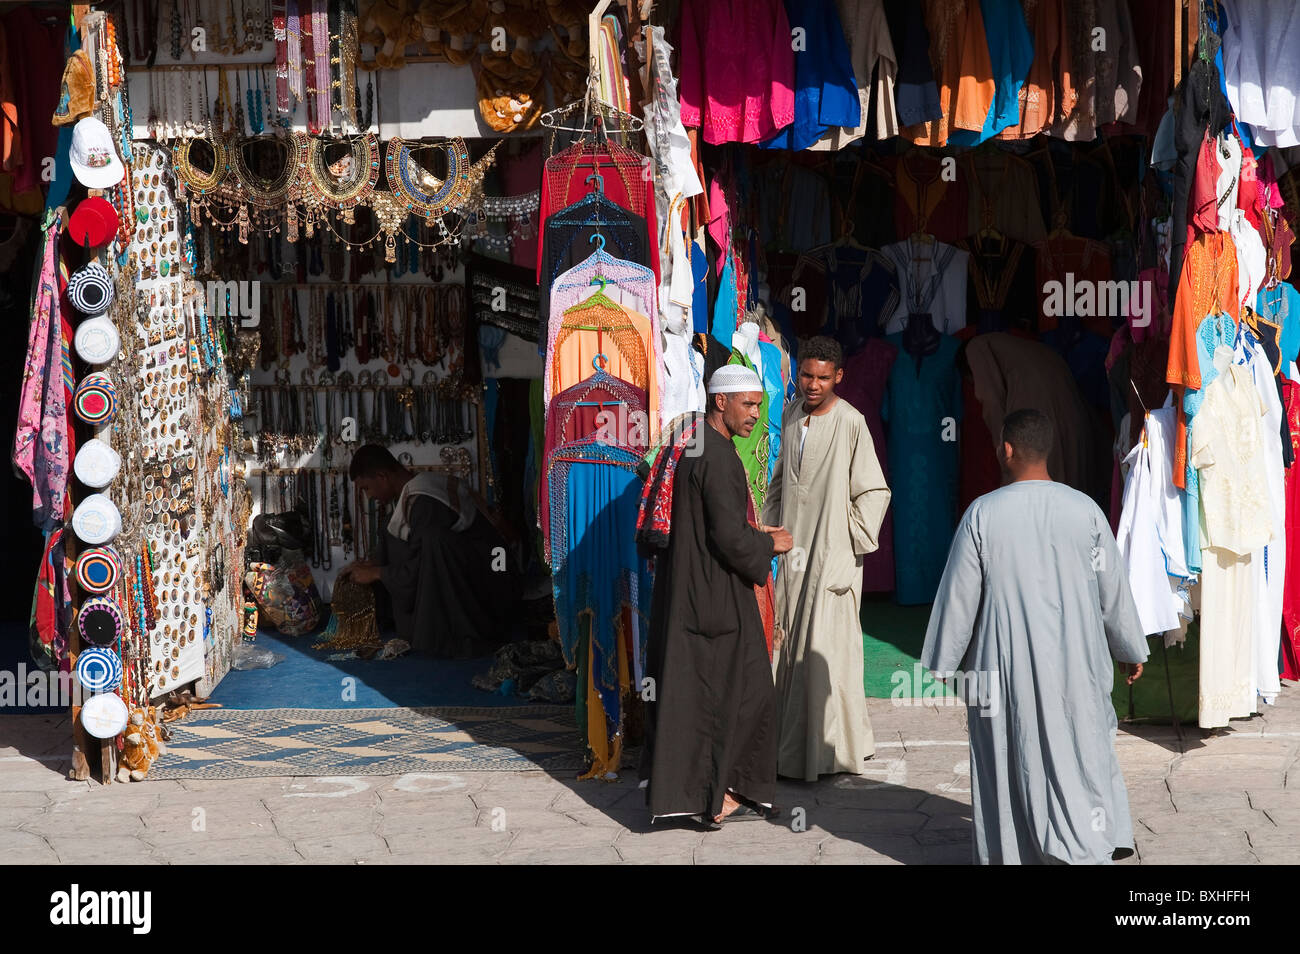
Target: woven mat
{"x": 254, "y": 743}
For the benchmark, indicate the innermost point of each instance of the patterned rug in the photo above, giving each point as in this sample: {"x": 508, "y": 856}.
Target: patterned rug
{"x": 252, "y": 743}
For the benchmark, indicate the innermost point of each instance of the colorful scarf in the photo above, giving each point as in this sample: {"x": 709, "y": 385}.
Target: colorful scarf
{"x": 41, "y": 439}
{"x": 654, "y": 517}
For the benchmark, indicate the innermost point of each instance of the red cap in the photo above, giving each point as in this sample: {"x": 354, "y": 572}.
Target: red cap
{"x": 93, "y": 223}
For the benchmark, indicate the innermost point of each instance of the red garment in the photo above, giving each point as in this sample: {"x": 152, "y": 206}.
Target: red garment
{"x": 1202, "y": 200}
{"x": 737, "y": 69}
{"x": 519, "y": 175}
{"x": 924, "y": 201}
{"x": 1291, "y": 585}
{"x": 865, "y": 375}
{"x": 1062, "y": 256}
{"x": 1153, "y": 25}
{"x": 35, "y": 52}
{"x": 625, "y": 179}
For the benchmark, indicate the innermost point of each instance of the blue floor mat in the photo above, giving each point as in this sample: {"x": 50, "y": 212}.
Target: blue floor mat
{"x": 307, "y": 679}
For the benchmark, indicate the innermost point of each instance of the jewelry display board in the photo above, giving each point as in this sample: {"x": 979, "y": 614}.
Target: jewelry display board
{"x": 190, "y": 497}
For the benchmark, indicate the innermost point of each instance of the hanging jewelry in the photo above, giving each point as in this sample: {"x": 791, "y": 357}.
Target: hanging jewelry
{"x": 176, "y": 30}
{"x": 239, "y": 107}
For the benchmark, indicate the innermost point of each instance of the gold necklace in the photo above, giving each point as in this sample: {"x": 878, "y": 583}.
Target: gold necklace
{"x": 417, "y": 189}
{"x": 200, "y": 184}
{"x": 321, "y": 188}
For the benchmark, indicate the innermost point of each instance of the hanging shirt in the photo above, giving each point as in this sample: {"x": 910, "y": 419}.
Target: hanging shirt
{"x": 1261, "y": 70}
{"x": 1011, "y": 51}
{"x": 871, "y": 53}
{"x": 826, "y": 91}
{"x": 737, "y": 69}
{"x": 936, "y": 286}
{"x": 916, "y": 93}
{"x": 959, "y": 48}
{"x": 1150, "y": 534}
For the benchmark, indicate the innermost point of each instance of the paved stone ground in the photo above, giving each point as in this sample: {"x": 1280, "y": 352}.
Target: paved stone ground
{"x": 1228, "y": 799}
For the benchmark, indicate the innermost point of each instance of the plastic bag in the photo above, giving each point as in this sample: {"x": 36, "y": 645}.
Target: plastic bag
{"x": 285, "y": 593}
{"x": 248, "y": 656}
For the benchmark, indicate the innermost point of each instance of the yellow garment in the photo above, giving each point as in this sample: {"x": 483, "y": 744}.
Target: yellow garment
{"x": 601, "y": 326}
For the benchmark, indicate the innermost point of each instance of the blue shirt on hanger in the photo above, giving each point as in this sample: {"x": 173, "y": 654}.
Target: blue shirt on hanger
{"x": 826, "y": 91}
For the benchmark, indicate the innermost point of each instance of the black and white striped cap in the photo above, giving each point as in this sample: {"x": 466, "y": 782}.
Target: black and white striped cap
{"x": 90, "y": 289}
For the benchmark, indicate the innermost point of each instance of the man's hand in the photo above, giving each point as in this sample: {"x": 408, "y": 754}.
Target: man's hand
{"x": 1133, "y": 669}
{"x": 360, "y": 572}
{"x": 782, "y": 542}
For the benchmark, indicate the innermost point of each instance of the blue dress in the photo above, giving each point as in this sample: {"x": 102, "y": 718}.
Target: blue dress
{"x": 723, "y": 326}
{"x": 700, "y": 299}
{"x": 1011, "y": 50}
{"x": 774, "y": 385}
{"x": 1281, "y": 306}
{"x": 825, "y": 90}
{"x": 1213, "y": 331}
{"x": 922, "y": 464}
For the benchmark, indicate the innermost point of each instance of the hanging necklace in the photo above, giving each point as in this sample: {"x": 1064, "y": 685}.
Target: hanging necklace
{"x": 176, "y": 30}
{"x": 254, "y": 122}
{"x": 239, "y": 107}
{"x": 323, "y": 189}
{"x": 320, "y": 31}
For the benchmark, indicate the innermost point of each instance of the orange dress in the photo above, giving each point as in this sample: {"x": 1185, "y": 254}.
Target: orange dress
{"x": 1040, "y": 97}
{"x": 1208, "y": 283}
{"x": 959, "y": 50}
{"x": 599, "y": 326}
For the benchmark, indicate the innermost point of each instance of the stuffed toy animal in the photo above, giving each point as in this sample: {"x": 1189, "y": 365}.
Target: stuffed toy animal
{"x": 142, "y": 745}
{"x": 571, "y": 15}
{"x": 514, "y": 26}
{"x": 462, "y": 21}
{"x": 387, "y": 24}
{"x": 510, "y": 98}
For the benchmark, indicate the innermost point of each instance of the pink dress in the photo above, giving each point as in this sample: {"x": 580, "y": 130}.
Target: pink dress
{"x": 865, "y": 374}
{"x": 737, "y": 69}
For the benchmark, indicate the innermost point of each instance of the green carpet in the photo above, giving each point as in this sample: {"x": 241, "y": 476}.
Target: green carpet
{"x": 892, "y": 637}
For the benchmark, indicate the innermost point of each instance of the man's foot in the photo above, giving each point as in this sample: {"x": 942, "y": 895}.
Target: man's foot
{"x": 730, "y": 805}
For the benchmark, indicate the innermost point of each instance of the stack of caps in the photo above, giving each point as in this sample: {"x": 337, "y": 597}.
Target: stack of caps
{"x": 90, "y": 290}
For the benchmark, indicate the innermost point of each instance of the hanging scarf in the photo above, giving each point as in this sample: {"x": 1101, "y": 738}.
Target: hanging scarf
{"x": 40, "y": 440}
{"x": 654, "y": 516}
{"x": 51, "y": 609}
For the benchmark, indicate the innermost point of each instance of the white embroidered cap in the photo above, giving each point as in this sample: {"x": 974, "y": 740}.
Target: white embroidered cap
{"x": 734, "y": 379}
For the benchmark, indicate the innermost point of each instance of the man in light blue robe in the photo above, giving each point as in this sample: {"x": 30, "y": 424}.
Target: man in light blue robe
{"x": 1033, "y": 604}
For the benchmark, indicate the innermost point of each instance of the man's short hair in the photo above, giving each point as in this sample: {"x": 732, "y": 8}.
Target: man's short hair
{"x": 1029, "y": 432}
{"x": 822, "y": 348}
{"x": 373, "y": 460}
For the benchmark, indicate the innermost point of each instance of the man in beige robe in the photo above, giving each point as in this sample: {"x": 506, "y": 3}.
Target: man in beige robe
{"x": 829, "y": 493}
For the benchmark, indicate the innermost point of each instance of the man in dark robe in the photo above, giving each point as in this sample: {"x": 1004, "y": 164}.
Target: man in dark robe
{"x": 710, "y": 748}
{"x": 445, "y": 567}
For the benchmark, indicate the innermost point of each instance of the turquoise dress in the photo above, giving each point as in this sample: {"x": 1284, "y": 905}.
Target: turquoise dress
{"x": 922, "y": 411}
{"x": 1213, "y": 331}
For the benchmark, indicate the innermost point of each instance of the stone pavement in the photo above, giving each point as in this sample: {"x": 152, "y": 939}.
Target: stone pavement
{"x": 1229, "y": 799}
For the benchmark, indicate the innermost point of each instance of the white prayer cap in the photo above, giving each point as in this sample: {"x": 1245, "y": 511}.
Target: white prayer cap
{"x": 734, "y": 379}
